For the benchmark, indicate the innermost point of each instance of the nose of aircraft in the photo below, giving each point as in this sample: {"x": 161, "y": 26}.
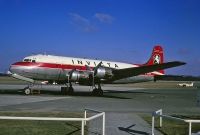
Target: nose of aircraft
{"x": 13, "y": 68}
{"x": 22, "y": 68}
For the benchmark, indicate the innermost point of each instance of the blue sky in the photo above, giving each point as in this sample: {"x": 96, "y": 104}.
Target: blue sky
{"x": 120, "y": 30}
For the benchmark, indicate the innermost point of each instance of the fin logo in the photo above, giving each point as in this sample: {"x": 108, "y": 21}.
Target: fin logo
{"x": 156, "y": 59}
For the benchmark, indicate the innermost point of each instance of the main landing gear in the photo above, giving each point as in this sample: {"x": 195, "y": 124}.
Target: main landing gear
{"x": 67, "y": 90}
{"x": 97, "y": 91}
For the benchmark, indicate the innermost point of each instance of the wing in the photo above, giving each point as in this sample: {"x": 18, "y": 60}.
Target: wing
{"x": 20, "y": 77}
{"x": 128, "y": 72}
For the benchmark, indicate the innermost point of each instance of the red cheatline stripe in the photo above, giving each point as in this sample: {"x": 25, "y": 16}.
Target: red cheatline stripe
{"x": 49, "y": 65}
{"x": 52, "y": 65}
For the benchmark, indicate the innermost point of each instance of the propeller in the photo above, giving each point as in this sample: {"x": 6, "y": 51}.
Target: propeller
{"x": 93, "y": 72}
{"x": 70, "y": 74}
{"x": 96, "y": 68}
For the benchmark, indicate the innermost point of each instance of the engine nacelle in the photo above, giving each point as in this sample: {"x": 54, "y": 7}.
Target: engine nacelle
{"x": 103, "y": 73}
{"x": 78, "y": 76}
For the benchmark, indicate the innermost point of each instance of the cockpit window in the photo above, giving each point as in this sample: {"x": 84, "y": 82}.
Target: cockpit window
{"x": 27, "y": 60}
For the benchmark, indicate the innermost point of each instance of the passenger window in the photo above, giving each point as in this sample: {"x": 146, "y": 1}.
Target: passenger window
{"x": 33, "y": 61}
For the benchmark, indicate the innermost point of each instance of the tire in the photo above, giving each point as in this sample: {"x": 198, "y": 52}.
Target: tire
{"x": 67, "y": 90}
{"x": 100, "y": 92}
{"x": 64, "y": 90}
{"x": 97, "y": 92}
{"x": 27, "y": 91}
{"x": 70, "y": 91}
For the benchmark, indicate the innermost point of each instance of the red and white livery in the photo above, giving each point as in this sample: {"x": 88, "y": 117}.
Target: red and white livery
{"x": 65, "y": 70}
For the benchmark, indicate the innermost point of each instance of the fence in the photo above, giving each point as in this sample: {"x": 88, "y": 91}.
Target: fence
{"x": 159, "y": 113}
{"x": 83, "y": 120}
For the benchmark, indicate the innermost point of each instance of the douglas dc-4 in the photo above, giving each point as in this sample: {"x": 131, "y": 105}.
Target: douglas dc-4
{"x": 66, "y": 70}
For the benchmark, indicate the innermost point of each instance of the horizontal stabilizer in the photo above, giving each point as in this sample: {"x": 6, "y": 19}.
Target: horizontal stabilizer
{"x": 128, "y": 72}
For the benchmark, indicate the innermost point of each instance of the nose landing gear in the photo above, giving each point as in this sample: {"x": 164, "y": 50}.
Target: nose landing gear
{"x": 29, "y": 90}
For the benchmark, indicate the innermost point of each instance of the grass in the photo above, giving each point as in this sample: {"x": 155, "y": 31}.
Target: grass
{"x": 10, "y": 80}
{"x": 157, "y": 84}
{"x": 173, "y": 127}
{"x": 19, "y": 127}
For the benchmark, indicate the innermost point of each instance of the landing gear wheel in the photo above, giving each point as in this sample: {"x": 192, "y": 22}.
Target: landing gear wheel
{"x": 71, "y": 91}
{"x": 27, "y": 91}
{"x": 100, "y": 93}
{"x": 64, "y": 90}
{"x": 67, "y": 90}
{"x": 97, "y": 92}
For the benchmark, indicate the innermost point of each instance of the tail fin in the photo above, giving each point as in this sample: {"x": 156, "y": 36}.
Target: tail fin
{"x": 157, "y": 57}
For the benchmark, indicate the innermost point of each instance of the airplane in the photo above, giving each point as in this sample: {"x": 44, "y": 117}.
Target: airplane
{"x": 89, "y": 72}
{"x": 186, "y": 84}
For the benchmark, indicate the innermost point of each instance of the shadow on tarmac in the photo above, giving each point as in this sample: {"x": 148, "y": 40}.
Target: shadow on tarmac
{"x": 132, "y": 131}
{"x": 77, "y": 128}
{"x": 107, "y": 93}
{"x": 129, "y": 91}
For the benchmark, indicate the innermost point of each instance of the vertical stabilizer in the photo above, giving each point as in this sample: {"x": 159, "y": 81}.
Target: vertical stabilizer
{"x": 157, "y": 57}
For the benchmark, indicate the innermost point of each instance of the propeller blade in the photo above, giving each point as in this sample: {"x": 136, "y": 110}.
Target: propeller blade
{"x": 96, "y": 68}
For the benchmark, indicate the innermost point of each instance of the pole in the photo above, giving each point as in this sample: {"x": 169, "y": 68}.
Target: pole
{"x": 190, "y": 128}
{"x": 85, "y": 116}
{"x": 103, "y": 130}
{"x": 82, "y": 128}
{"x": 161, "y": 118}
{"x": 153, "y": 120}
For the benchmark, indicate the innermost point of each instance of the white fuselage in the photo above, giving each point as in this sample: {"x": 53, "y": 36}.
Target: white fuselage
{"x": 56, "y": 68}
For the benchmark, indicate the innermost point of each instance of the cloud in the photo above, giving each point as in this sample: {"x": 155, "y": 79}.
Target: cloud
{"x": 79, "y": 19}
{"x": 82, "y": 22}
{"x": 104, "y": 18}
{"x": 87, "y": 25}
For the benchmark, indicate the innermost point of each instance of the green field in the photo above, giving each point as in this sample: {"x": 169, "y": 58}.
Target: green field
{"x": 173, "y": 127}
{"x": 10, "y": 80}
{"x": 19, "y": 127}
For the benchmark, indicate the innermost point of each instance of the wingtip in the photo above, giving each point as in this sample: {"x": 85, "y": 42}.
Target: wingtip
{"x": 182, "y": 63}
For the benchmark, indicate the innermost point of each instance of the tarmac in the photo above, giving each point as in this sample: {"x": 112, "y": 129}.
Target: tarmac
{"x": 122, "y": 104}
